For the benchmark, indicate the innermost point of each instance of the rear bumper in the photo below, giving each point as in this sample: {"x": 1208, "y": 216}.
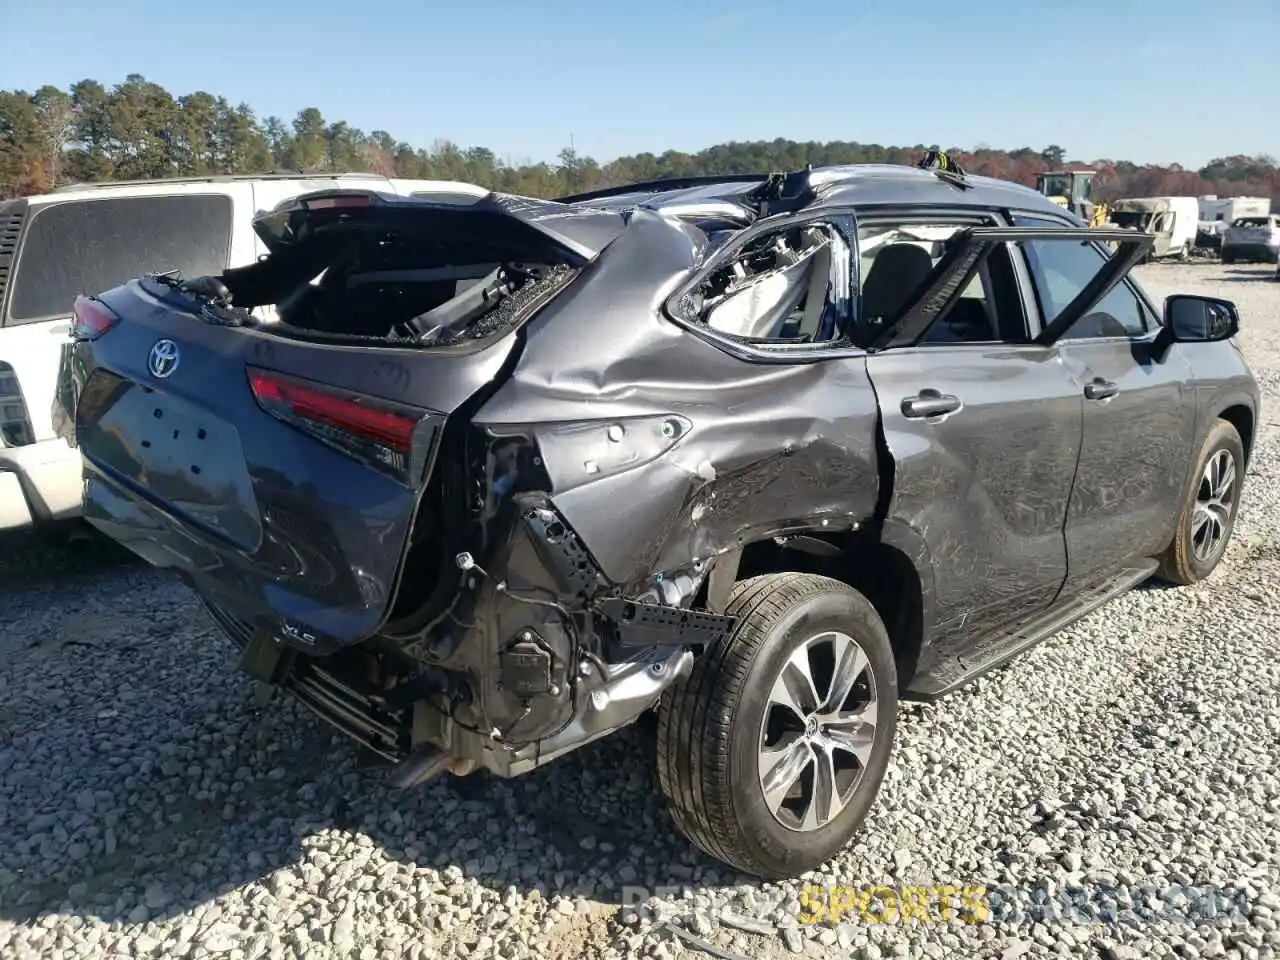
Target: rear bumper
{"x": 324, "y": 691}
{"x": 38, "y": 483}
{"x": 1252, "y": 251}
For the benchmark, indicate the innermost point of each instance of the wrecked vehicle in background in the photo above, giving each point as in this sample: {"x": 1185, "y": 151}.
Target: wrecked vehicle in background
{"x": 1170, "y": 220}
{"x": 767, "y": 452}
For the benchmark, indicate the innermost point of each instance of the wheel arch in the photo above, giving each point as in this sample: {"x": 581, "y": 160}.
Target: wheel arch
{"x": 887, "y": 562}
{"x": 1242, "y": 417}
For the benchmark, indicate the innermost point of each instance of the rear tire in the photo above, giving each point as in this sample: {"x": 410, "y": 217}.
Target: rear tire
{"x": 1228, "y": 258}
{"x": 1208, "y": 514}
{"x": 723, "y": 732}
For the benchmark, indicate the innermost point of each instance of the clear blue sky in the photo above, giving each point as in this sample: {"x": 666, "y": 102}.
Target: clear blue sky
{"x": 1147, "y": 80}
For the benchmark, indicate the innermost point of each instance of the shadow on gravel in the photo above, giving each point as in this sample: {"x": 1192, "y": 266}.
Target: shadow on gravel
{"x": 139, "y": 780}
{"x": 50, "y": 556}
{"x": 161, "y": 785}
{"x": 1262, "y": 271}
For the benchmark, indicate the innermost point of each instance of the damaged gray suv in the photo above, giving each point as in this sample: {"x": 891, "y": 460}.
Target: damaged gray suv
{"x": 483, "y": 479}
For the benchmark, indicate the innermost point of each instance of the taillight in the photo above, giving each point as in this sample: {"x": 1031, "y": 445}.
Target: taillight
{"x": 91, "y": 318}
{"x": 379, "y": 433}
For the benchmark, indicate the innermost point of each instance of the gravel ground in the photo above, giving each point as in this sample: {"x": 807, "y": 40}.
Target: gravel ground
{"x": 150, "y": 807}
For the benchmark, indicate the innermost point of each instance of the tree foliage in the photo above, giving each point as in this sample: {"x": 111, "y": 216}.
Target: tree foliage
{"x": 138, "y": 130}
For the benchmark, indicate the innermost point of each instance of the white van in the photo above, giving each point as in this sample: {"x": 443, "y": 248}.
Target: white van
{"x": 89, "y": 238}
{"x": 1173, "y": 220}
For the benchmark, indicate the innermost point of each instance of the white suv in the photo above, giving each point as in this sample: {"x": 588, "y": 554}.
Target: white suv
{"x": 1252, "y": 239}
{"x": 89, "y": 238}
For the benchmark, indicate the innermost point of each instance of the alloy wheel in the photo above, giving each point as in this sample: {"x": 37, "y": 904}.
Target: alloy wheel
{"x": 1211, "y": 515}
{"x": 818, "y": 732}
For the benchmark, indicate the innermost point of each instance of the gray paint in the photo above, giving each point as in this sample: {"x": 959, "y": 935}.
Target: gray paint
{"x": 1023, "y": 497}
{"x": 1027, "y": 496}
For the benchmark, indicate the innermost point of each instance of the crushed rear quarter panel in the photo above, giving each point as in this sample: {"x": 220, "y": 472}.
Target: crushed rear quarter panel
{"x": 769, "y": 447}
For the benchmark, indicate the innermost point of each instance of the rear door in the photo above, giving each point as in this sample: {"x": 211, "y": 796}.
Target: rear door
{"x": 983, "y": 420}
{"x": 88, "y": 245}
{"x": 1139, "y": 414}
{"x": 983, "y": 426}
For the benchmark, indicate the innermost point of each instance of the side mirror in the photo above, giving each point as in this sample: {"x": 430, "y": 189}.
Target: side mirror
{"x": 1191, "y": 319}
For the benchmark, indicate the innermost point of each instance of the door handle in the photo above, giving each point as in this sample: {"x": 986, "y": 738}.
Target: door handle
{"x": 1099, "y": 389}
{"x": 60, "y": 330}
{"x": 929, "y": 403}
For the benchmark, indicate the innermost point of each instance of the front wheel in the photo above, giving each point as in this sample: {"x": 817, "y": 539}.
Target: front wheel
{"x": 772, "y": 750}
{"x": 1208, "y": 514}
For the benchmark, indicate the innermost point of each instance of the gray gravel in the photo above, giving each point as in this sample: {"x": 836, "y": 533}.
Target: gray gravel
{"x": 149, "y": 807}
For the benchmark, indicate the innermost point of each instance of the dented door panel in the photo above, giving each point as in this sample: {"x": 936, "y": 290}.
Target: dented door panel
{"x": 987, "y": 485}
{"x": 1133, "y": 459}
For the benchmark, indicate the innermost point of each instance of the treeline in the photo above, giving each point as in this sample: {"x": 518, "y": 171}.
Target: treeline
{"x": 139, "y": 130}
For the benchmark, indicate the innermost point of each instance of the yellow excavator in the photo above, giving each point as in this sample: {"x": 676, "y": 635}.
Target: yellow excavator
{"x": 1073, "y": 189}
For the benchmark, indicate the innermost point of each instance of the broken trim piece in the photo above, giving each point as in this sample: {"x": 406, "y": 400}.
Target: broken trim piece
{"x": 636, "y": 625}
{"x": 560, "y": 549}
{"x": 939, "y": 163}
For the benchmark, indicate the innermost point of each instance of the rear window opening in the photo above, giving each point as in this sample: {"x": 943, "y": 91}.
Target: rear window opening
{"x": 391, "y": 287}
{"x": 430, "y": 306}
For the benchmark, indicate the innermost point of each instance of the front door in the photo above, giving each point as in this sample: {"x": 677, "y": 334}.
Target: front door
{"x": 1139, "y": 419}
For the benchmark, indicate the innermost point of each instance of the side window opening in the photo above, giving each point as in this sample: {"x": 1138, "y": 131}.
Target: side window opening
{"x": 88, "y": 246}
{"x": 897, "y": 259}
{"x": 790, "y": 286}
{"x": 1060, "y": 269}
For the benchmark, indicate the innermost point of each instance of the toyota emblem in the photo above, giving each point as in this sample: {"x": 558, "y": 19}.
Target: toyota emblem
{"x": 163, "y": 359}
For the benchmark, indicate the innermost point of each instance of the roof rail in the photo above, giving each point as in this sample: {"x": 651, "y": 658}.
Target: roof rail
{"x": 218, "y": 178}
{"x": 663, "y": 184}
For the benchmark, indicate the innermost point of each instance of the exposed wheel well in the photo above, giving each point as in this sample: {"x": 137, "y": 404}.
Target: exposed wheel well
{"x": 1241, "y": 417}
{"x": 884, "y": 574}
